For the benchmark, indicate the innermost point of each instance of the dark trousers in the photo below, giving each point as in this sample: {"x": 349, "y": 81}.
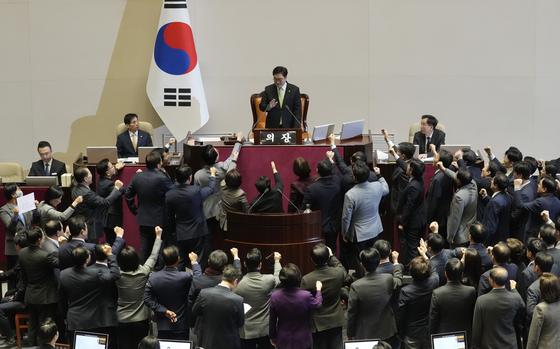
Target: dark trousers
{"x": 464, "y": 244}
{"x": 5, "y": 328}
{"x": 147, "y": 238}
{"x": 328, "y": 339}
{"x": 410, "y": 240}
{"x": 330, "y": 240}
{"x": 178, "y": 335}
{"x": 200, "y": 246}
{"x": 130, "y": 334}
{"x": 256, "y": 343}
{"x": 38, "y": 313}
{"x": 11, "y": 262}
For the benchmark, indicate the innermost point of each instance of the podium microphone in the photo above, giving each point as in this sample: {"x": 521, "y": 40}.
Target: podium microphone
{"x": 290, "y": 202}
{"x": 294, "y": 116}
{"x": 258, "y": 199}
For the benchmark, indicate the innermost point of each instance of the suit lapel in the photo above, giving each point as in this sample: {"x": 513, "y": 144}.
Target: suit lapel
{"x": 129, "y": 141}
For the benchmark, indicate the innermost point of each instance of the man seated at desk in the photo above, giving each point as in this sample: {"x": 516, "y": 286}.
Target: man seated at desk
{"x": 129, "y": 141}
{"x": 47, "y": 165}
{"x": 428, "y": 134}
{"x": 281, "y": 101}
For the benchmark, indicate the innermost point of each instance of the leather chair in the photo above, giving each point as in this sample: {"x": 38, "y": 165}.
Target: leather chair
{"x": 261, "y": 116}
{"x": 415, "y": 127}
{"x": 144, "y": 126}
{"x": 11, "y": 172}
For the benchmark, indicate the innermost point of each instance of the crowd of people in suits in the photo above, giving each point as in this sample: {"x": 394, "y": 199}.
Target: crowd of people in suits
{"x": 478, "y": 253}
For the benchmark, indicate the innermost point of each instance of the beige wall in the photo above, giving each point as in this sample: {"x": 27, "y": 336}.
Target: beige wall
{"x": 70, "y": 69}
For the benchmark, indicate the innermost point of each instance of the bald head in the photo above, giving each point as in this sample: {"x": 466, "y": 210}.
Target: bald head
{"x": 499, "y": 277}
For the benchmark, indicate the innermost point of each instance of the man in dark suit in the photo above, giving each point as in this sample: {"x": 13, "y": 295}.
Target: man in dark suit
{"x": 440, "y": 193}
{"x": 403, "y": 153}
{"x": 549, "y": 235}
{"x": 112, "y": 216}
{"x": 129, "y": 141}
{"x": 439, "y": 255}
{"x": 546, "y": 200}
{"x": 371, "y": 299}
{"x": 92, "y": 205}
{"x": 47, "y": 166}
{"x": 149, "y": 187}
{"x": 543, "y": 264}
{"x": 329, "y": 318}
{"x": 269, "y": 199}
{"x": 282, "y": 102}
{"x": 452, "y": 304}
{"x": 220, "y": 313}
{"x": 428, "y": 134}
{"x": 41, "y": 293}
{"x": 528, "y": 275}
{"x": 498, "y": 315}
{"x": 500, "y": 259}
{"x": 87, "y": 293}
{"x": 166, "y": 294}
{"x": 511, "y": 157}
{"x": 386, "y": 253}
{"x": 496, "y": 217}
{"x": 523, "y": 193}
{"x": 186, "y": 215}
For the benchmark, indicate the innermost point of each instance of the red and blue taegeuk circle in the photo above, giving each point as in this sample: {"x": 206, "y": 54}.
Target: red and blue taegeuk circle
{"x": 174, "y": 52}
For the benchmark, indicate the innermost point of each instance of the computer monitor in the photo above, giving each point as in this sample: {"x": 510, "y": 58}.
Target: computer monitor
{"x": 453, "y": 340}
{"x": 96, "y": 154}
{"x": 352, "y": 129}
{"x": 41, "y": 181}
{"x": 143, "y": 152}
{"x": 322, "y": 132}
{"x": 453, "y": 148}
{"x": 174, "y": 344}
{"x": 90, "y": 340}
{"x": 361, "y": 344}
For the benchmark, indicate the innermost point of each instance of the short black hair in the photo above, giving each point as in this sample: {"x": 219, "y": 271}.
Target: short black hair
{"x": 79, "y": 256}
{"x": 360, "y": 171}
{"x": 34, "y": 235}
{"x": 464, "y": 177}
{"x": 209, "y": 155}
{"x": 324, "y": 168}
{"x": 499, "y": 275}
{"x": 419, "y": 269}
{"x": 551, "y": 169}
{"x": 522, "y": 169}
{"x": 149, "y": 342}
{"x": 301, "y": 168}
{"x": 170, "y": 255}
{"x": 46, "y": 332}
{"x": 454, "y": 269}
{"x": 544, "y": 261}
{"x": 370, "y": 258}
{"x": 129, "y": 117}
{"x": 76, "y": 224}
{"x": 231, "y": 273}
{"x": 20, "y": 240}
{"x": 280, "y": 70}
{"x": 217, "y": 260}
{"x": 477, "y": 232}
{"x": 445, "y": 157}
{"x": 548, "y": 234}
{"x": 535, "y": 245}
{"x": 233, "y": 179}
{"x": 52, "y": 228}
{"x": 501, "y": 253}
{"x": 494, "y": 169}
{"x": 9, "y": 190}
{"x": 290, "y": 276}
{"x": 470, "y": 157}
{"x": 383, "y": 247}
{"x": 102, "y": 167}
{"x": 253, "y": 259}
{"x": 416, "y": 168}
{"x": 436, "y": 242}
{"x": 358, "y": 156}
{"x": 320, "y": 254}
{"x": 183, "y": 173}
{"x": 430, "y": 120}
{"x": 514, "y": 154}
{"x": 99, "y": 253}
{"x": 128, "y": 259}
{"x": 548, "y": 184}
{"x": 44, "y": 144}
{"x": 153, "y": 160}
{"x": 407, "y": 149}
{"x": 500, "y": 181}
{"x": 53, "y": 192}
{"x": 262, "y": 184}
{"x": 81, "y": 173}
{"x": 533, "y": 164}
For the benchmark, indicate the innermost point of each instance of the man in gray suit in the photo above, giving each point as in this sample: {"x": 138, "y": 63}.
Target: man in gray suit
{"x": 498, "y": 315}
{"x": 462, "y": 212}
{"x": 255, "y": 288}
{"x": 52, "y": 230}
{"x": 543, "y": 264}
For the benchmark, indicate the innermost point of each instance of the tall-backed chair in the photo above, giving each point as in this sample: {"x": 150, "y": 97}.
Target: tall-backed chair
{"x": 143, "y": 125}
{"x": 11, "y": 172}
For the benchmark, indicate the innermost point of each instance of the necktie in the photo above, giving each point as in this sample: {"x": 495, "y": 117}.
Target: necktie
{"x": 134, "y": 141}
{"x": 22, "y": 219}
{"x": 281, "y": 97}
{"x": 428, "y": 139}
{"x": 47, "y": 170}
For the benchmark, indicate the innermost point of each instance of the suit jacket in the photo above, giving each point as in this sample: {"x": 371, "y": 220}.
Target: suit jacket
{"x": 168, "y": 289}
{"x": 184, "y": 206}
{"x": 57, "y": 168}
{"x": 370, "y": 300}
{"x": 270, "y": 201}
{"x": 220, "y": 312}
{"x": 498, "y": 315}
{"x": 104, "y": 188}
{"x": 555, "y": 253}
{"x": 484, "y": 256}
{"x": 496, "y": 217}
{"x": 438, "y": 138}
{"x": 297, "y": 190}
{"x": 38, "y": 268}
{"x": 65, "y": 251}
{"x": 549, "y": 202}
{"x": 438, "y": 199}
{"x": 484, "y": 282}
{"x": 544, "y": 327}
{"x": 125, "y": 149}
{"x": 232, "y": 200}
{"x": 452, "y": 308}
{"x": 47, "y": 213}
{"x": 14, "y": 226}
{"x": 399, "y": 181}
{"x": 411, "y": 210}
{"x": 437, "y": 264}
{"x": 520, "y": 216}
{"x": 324, "y": 195}
{"x": 50, "y": 246}
{"x": 150, "y": 187}
{"x": 462, "y": 212}
{"x": 332, "y": 275}
{"x": 533, "y": 298}
{"x": 256, "y": 288}
{"x": 87, "y": 295}
{"x": 93, "y": 206}
{"x": 414, "y": 307}
{"x": 360, "y": 212}
{"x": 209, "y": 278}
{"x": 346, "y": 173}
{"x": 292, "y": 102}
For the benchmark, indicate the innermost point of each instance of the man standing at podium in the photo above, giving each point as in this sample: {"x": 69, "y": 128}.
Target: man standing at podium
{"x": 281, "y": 101}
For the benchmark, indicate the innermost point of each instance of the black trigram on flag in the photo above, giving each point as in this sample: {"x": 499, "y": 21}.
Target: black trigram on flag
{"x": 175, "y": 4}
{"x": 177, "y": 97}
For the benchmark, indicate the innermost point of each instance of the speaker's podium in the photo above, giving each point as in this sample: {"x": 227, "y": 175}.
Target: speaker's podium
{"x": 292, "y": 235}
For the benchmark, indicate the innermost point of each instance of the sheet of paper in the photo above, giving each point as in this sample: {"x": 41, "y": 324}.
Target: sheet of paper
{"x": 26, "y": 203}
{"x": 246, "y": 308}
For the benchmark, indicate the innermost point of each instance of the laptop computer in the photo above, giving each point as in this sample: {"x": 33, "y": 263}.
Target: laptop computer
{"x": 90, "y": 340}
{"x": 361, "y": 344}
{"x": 41, "y": 181}
{"x": 175, "y": 344}
{"x": 322, "y": 132}
{"x": 143, "y": 152}
{"x": 453, "y": 340}
{"x": 352, "y": 129}
{"x": 96, "y": 154}
{"x": 453, "y": 148}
